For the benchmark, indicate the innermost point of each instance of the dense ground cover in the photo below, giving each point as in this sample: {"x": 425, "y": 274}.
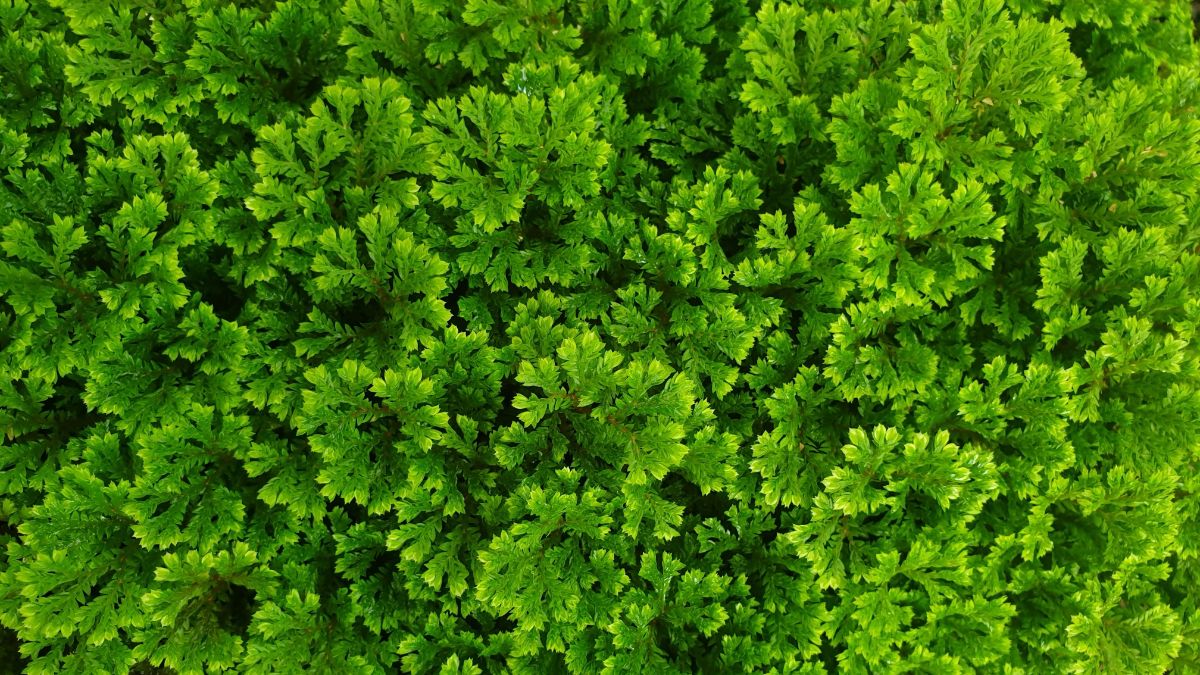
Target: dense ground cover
{"x": 460, "y": 336}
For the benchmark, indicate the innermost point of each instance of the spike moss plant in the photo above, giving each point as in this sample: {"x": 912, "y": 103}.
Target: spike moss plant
{"x": 599, "y": 336}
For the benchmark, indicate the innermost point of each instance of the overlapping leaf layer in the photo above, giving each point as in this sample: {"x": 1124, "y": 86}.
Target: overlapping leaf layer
{"x": 599, "y": 336}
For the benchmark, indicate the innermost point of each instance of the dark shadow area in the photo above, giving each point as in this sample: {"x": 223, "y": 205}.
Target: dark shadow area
{"x": 11, "y": 660}
{"x": 203, "y": 275}
{"x": 235, "y": 608}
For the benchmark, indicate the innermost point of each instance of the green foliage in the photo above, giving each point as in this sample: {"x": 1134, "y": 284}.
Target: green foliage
{"x": 372, "y": 336}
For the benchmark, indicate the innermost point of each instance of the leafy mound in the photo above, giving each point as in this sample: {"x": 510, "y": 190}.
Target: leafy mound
{"x": 461, "y": 336}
